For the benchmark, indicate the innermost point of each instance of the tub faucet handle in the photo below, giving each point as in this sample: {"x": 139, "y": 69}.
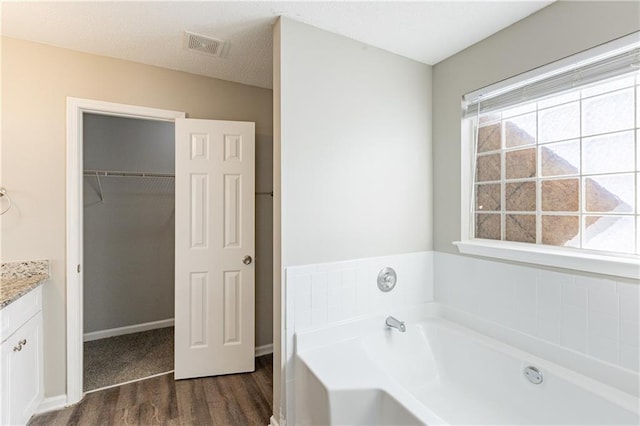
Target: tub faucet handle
{"x": 392, "y": 322}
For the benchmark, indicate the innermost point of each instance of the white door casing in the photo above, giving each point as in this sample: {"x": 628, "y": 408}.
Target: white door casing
{"x": 215, "y": 232}
{"x": 76, "y": 107}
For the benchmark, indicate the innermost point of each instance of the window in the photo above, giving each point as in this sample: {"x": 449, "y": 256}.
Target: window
{"x": 555, "y": 158}
{"x": 562, "y": 170}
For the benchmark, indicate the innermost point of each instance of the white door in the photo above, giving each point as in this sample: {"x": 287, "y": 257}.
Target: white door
{"x": 214, "y": 301}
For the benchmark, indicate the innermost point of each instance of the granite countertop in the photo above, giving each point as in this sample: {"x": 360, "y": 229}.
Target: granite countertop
{"x": 19, "y": 278}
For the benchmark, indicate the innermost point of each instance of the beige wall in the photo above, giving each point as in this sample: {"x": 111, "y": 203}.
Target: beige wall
{"x": 36, "y": 79}
{"x": 557, "y": 31}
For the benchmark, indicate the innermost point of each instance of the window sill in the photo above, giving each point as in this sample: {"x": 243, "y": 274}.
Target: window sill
{"x": 627, "y": 266}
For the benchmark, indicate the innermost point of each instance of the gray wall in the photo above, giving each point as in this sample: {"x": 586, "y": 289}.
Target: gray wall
{"x": 128, "y": 238}
{"x": 356, "y": 149}
{"x": 264, "y": 240}
{"x": 352, "y": 157}
{"x": 557, "y": 31}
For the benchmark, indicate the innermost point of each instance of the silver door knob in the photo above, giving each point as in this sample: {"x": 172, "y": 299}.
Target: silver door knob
{"x": 247, "y": 260}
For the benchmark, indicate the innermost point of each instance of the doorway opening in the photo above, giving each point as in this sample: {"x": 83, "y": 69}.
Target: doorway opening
{"x": 128, "y": 249}
{"x": 102, "y": 197}
{"x": 214, "y": 240}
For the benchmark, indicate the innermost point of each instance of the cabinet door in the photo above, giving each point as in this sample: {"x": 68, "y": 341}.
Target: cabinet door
{"x": 22, "y": 376}
{"x": 5, "y": 373}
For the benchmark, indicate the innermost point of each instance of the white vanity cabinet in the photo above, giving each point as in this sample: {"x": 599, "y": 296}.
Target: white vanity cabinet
{"x": 22, "y": 379}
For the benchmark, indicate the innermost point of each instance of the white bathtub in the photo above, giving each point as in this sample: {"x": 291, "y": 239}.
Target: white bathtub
{"x": 440, "y": 373}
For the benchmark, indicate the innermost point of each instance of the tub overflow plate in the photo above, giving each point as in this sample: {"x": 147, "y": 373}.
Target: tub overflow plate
{"x": 387, "y": 279}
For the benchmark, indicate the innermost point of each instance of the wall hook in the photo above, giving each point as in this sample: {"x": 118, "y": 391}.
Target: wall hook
{"x": 5, "y": 194}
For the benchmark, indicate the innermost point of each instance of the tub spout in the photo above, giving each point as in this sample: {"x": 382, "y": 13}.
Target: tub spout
{"x": 392, "y": 322}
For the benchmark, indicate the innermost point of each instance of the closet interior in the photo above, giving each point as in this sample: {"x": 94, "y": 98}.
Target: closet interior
{"x": 128, "y": 249}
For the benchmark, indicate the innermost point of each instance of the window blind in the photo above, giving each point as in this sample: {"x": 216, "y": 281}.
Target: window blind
{"x": 566, "y": 78}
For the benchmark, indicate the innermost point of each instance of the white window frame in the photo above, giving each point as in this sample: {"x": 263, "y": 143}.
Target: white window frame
{"x": 606, "y": 263}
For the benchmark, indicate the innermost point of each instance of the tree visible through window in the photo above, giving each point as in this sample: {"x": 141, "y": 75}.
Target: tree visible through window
{"x": 563, "y": 170}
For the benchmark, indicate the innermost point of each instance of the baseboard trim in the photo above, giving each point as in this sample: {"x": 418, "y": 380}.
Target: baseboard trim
{"x": 136, "y": 328}
{"x": 52, "y": 403}
{"x": 273, "y": 422}
{"x": 264, "y": 350}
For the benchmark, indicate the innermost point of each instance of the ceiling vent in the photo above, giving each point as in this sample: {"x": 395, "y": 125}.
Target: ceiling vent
{"x": 205, "y": 45}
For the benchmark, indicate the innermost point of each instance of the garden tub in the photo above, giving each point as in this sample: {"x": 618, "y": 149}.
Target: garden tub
{"x": 439, "y": 372}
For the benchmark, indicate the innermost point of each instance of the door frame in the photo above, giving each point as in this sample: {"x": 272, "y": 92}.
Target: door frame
{"x": 76, "y": 107}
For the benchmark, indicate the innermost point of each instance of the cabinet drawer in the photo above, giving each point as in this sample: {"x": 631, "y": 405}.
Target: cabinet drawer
{"x": 19, "y": 312}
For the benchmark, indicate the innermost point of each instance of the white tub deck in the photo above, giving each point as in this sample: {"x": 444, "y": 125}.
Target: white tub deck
{"x": 439, "y": 372}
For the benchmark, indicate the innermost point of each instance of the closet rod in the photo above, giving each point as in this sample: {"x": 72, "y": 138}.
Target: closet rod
{"x": 125, "y": 174}
{"x": 98, "y": 173}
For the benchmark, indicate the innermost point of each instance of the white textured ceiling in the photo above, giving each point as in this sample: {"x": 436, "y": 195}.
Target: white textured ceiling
{"x": 151, "y": 32}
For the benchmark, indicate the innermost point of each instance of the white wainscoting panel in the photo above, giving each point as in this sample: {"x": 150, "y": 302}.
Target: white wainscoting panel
{"x": 594, "y": 316}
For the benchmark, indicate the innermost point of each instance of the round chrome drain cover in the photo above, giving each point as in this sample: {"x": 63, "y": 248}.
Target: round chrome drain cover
{"x": 533, "y": 375}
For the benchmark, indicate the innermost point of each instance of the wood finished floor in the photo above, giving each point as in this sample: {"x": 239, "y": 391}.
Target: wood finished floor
{"x": 237, "y": 399}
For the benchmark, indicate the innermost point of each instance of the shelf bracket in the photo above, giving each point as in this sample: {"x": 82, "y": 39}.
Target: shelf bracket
{"x": 100, "y": 188}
